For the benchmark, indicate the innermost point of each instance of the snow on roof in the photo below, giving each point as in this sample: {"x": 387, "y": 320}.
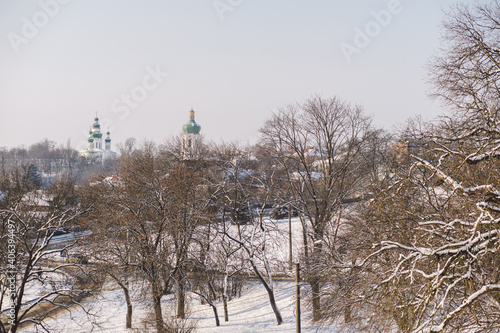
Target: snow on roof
{"x": 112, "y": 180}
{"x": 37, "y": 198}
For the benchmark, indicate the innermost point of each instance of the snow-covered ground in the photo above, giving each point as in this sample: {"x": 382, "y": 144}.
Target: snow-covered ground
{"x": 36, "y": 289}
{"x": 248, "y": 314}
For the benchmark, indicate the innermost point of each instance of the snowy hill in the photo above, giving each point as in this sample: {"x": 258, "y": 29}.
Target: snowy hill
{"x": 249, "y": 314}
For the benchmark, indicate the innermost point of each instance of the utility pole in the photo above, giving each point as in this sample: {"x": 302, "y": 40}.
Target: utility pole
{"x": 290, "y": 263}
{"x": 297, "y": 297}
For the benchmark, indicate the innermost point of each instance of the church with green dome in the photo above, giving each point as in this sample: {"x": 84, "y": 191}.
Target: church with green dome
{"x": 95, "y": 148}
{"x": 190, "y": 137}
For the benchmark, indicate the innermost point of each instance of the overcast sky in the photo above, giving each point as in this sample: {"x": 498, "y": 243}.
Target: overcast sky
{"x": 143, "y": 64}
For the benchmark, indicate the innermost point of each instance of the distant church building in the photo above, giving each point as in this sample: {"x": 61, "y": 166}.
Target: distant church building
{"x": 95, "y": 148}
{"x": 190, "y": 137}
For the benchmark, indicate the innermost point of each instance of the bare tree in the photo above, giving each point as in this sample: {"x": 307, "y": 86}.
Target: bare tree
{"x": 133, "y": 211}
{"x": 204, "y": 283}
{"x": 241, "y": 188}
{"x": 29, "y": 225}
{"x": 434, "y": 262}
{"x": 128, "y": 147}
{"x": 317, "y": 144}
{"x": 108, "y": 245}
{"x": 146, "y": 217}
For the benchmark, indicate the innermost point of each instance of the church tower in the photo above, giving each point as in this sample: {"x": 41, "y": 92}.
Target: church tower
{"x": 191, "y": 134}
{"x": 107, "y": 142}
{"x": 95, "y": 148}
{"x": 95, "y": 134}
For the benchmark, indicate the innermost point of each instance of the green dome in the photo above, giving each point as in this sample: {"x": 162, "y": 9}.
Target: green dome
{"x": 191, "y": 128}
{"x": 90, "y": 139}
{"x": 97, "y": 135}
{"x": 107, "y": 140}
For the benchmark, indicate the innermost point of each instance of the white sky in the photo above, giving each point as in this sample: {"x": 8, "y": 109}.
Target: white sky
{"x": 235, "y": 67}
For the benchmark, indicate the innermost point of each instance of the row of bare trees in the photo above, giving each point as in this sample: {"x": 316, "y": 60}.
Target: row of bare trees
{"x": 163, "y": 219}
{"x": 166, "y": 218}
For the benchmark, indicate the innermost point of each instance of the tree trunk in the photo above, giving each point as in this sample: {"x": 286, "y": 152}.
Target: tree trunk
{"x": 226, "y": 314}
{"x": 274, "y": 306}
{"x": 158, "y": 314}
{"x": 224, "y": 298}
{"x": 129, "y": 306}
{"x": 127, "y": 300}
{"x": 181, "y": 301}
{"x": 270, "y": 293}
{"x": 217, "y": 322}
{"x": 129, "y": 309}
{"x": 316, "y": 304}
{"x": 316, "y": 264}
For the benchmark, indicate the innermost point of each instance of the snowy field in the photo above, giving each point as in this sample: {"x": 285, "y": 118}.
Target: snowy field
{"x": 248, "y": 314}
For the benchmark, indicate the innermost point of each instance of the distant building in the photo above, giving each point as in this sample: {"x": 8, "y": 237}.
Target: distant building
{"x": 404, "y": 148}
{"x": 190, "y": 137}
{"x": 36, "y": 202}
{"x": 95, "y": 149}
